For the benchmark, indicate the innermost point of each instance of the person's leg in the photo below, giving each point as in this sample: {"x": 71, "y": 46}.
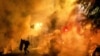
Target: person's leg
{"x": 26, "y": 47}
{"x": 21, "y": 45}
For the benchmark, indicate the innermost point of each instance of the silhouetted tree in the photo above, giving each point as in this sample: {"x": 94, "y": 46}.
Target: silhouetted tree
{"x": 93, "y": 15}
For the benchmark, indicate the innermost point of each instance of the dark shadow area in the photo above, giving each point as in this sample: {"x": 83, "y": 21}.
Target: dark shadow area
{"x": 21, "y": 54}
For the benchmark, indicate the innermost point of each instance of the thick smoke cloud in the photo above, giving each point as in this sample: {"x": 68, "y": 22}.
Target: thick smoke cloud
{"x": 14, "y": 21}
{"x": 16, "y": 17}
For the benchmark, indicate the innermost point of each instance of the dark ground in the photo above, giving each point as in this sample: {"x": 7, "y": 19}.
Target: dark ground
{"x": 21, "y": 54}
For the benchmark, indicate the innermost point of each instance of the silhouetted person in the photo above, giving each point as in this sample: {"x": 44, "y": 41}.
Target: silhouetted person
{"x": 24, "y": 44}
{"x": 96, "y": 51}
{"x": 55, "y": 43}
{"x": 53, "y": 51}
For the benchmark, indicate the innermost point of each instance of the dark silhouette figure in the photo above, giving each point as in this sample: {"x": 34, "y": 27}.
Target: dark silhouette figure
{"x": 53, "y": 51}
{"x": 96, "y": 51}
{"x": 24, "y": 45}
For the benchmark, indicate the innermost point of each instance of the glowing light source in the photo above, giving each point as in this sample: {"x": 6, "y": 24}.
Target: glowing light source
{"x": 64, "y": 29}
{"x": 38, "y": 26}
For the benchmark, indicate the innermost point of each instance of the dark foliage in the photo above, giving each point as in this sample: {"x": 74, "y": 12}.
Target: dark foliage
{"x": 93, "y": 15}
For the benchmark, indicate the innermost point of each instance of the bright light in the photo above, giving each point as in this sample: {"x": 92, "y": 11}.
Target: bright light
{"x": 38, "y": 26}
